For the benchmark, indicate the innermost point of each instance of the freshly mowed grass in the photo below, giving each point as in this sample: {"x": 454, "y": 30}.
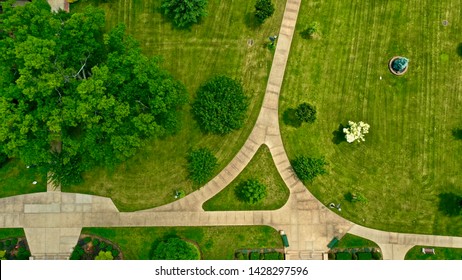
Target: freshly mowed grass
{"x": 216, "y": 243}
{"x": 218, "y": 45}
{"x": 441, "y": 253}
{"x": 261, "y": 168}
{"x": 353, "y": 241}
{"x": 11, "y": 232}
{"x": 412, "y": 153}
{"x": 16, "y": 179}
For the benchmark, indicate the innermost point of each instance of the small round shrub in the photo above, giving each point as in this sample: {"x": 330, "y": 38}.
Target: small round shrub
{"x": 306, "y": 113}
{"x": 308, "y": 168}
{"x": 109, "y": 248}
{"x": 220, "y": 106}
{"x": 77, "y": 253}
{"x": 201, "y": 163}
{"x": 102, "y": 245}
{"x": 184, "y": 13}
{"x": 115, "y": 253}
{"x": 7, "y": 243}
{"x": 251, "y": 191}
{"x": 22, "y": 254}
{"x": 263, "y": 10}
{"x": 87, "y": 240}
{"x": 95, "y": 242}
{"x": 175, "y": 248}
{"x": 104, "y": 255}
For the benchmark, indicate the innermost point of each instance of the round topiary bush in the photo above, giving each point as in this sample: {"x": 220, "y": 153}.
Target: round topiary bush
{"x": 184, "y": 13}
{"x": 175, "y": 249}
{"x": 220, "y": 106}
{"x": 308, "y": 168}
{"x": 251, "y": 191}
{"x": 306, "y": 113}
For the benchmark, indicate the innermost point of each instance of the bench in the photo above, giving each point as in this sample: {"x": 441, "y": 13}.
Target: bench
{"x": 285, "y": 240}
{"x": 428, "y": 251}
{"x": 332, "y": 243}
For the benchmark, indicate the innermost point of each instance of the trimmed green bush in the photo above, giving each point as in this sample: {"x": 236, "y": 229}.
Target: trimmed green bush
{"x": 23, "y": 254}
{"x": 263, "y": 10}
{"x": 376, "y": 255}
{"x": 251, "y": 191}
{"x": 220, "y": 106}
{"x": 254, "y": 256}
{"x": 272, "y": 256}
{"x": 343, "y": 256}
{"x": 201, "y": 163}
{"x": 87, "y": 240}
{"x": 77, "y": 253}
{"x": 184, "y": 13}
{"x": 364, "y": 256}
{"x": 95, "y": 242}
{"x": 104, "y": 255}
{"x": 306, "y": 113}
{"x": 102, "y": 245}
{"x": 175, "y": 249}
{"x": 115, "y": 253}
{"x": 308, "y": 168}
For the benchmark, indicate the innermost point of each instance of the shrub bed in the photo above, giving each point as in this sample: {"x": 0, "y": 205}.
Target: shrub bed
{"x": 14, "y": 249}
{"x": 94, "y": 247}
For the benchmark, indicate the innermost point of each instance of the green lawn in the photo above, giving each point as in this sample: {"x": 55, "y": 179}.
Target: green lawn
{"x": 216, "y": 46}
{"x": 353, "y": 241}
{"x": 412, "y": 153}
{"x": 216, "y": 243}
{"x": 262, "y": 168}
{"x": 16, "y": 179}
{"x": 440, "y": 254}
{"x": 11, "y": 232}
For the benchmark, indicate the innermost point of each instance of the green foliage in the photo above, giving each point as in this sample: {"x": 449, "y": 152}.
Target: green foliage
{"x": 3, "y": 158}
{"x": 104, "y": 255}
{"x": 95, "y": 242}
{"x": 254, "y": 256}
{"x": 310, "y": 31}
{"x": 308, "y": 168}
{"x": 3, "y": 255}
{"x": 251, "y": 191}
{"x": 272, "y": 256}
{"x": 343, "y": 256}
{"x": 263, "y": 10}
{"x": 184, "y": 13}
{"x": 239, "y": 256}
{"x": 77, "y": 253}
{"x": 376, "y": 255}
{"x": 23, "y": 254}
{"x": 220, "y": 105}
{"x": 87, "y": 240}
{"x": 115, "y": 253}
{"x": 175, "y": 249}
{"x": 306, "y": 113}
{"x": 364, "y": 256}
{"x": 64, "y": 81}
{"x": 180, "y": 194}
{"x": 201, "y": 163}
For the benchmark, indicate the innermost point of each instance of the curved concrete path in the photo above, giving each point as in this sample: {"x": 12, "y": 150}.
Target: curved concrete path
{"x": 53, "y": 220}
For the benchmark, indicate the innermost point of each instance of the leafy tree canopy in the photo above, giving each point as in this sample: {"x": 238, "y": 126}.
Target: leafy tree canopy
{"x": 175, "y": 248}
{"x": 220, "y": 105}
{"x": 251, "y": 191}
{"x": 306, "y": 113}
{"x": 185, "y": 13}
{"x": 263, "y": 10}
{"x": 62, "y": 79}
{"x": 308, "y": 168}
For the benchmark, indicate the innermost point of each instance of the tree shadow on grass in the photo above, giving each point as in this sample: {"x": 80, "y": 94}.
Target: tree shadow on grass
{"x": 450, "y": 204}
{"x": 289, "y": 118}
{"x": 338, "y": 135}
{"x": 457, "y": 134}
{"x": 251, "y": 21}
{"x": 459, "y": 49}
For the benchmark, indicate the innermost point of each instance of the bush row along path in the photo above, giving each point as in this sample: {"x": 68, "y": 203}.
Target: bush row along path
{"x": 53, "y": 220}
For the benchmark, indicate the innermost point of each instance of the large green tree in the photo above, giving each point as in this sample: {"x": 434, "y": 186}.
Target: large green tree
{"x": 63, "y": 80}
{"x": 175, "y": 248}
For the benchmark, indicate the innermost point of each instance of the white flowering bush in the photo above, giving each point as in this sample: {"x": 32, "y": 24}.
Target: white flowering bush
{"x": 356, "y": 131}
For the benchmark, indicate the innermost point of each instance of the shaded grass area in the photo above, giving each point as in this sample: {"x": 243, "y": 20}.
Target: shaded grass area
{"x": 441, "y": 253}
{"x": 261, "y": 168}
{"x": 11, "y": 232}
{"x": 412, "y": 154}
{"x": 16, "y": 179}
{"x": 218, "y": 45}
{"x": 353, "y": 241}
{"x": 216, "y": 243}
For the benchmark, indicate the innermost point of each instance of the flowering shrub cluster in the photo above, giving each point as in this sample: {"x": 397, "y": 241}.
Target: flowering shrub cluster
{"x": 356, "y": 131}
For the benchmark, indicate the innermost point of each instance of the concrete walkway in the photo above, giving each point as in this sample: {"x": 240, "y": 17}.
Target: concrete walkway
{"x": 53, "y": 220}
